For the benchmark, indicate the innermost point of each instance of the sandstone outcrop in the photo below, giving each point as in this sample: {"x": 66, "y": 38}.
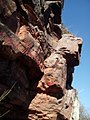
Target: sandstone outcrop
{"x": 37, "y": 62}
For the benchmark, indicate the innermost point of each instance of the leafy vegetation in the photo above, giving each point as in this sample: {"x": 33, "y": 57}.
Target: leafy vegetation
{"x": 64, "y": 29}
{"x": 83, "y": 113}
{"x": 3, "y": 97}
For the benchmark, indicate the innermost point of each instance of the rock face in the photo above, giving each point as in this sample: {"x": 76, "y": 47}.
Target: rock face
{"x": 37, "y": 62}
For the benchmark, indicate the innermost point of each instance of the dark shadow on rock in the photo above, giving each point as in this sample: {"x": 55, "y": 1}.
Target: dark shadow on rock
{"x": 22, "y": 70}
{"x": 60, "y": 117}
{"x": 55, "y": 91}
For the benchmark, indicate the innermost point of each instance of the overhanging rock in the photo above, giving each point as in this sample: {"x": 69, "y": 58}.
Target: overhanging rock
{"x": 37, "y": 62}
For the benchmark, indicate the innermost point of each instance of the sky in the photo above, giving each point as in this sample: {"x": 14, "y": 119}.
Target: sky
{"x": 76, "y": 17}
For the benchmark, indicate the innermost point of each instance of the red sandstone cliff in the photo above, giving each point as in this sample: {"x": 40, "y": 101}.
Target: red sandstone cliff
{"x": 38, "y": 61}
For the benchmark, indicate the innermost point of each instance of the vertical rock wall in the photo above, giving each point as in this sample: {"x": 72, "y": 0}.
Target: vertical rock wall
{"x": 37, "y": 62}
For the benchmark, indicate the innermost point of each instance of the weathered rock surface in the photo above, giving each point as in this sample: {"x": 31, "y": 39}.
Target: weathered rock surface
{"x": 37, "y": 62}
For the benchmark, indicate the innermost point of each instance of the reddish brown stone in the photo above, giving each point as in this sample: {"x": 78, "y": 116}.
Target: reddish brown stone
{"x": 36, "y": 62}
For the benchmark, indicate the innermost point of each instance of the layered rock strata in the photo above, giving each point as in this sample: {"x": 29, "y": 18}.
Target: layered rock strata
{"x": 36, "y": 62}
